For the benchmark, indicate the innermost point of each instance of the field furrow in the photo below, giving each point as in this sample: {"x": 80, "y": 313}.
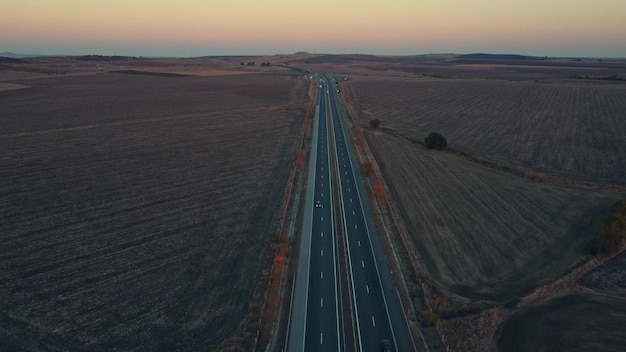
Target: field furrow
{"x": 482, "y": 233}
{"x": 147, "y": 235}
{"x": 565, "y": 129}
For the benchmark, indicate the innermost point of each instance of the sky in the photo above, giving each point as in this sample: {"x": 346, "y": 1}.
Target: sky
{"x": 189, "y": 28}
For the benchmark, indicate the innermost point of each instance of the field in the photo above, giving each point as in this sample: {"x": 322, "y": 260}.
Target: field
{"x": 579, "y": 321}
{"x": 137, "y": 210}
{"x": 483, "y": 233}
{"x": 562, "y": 128}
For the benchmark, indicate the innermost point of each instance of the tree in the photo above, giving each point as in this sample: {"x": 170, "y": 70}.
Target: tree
{"x": 375, "y": 123}
{"x": 612, "y": 231}
{"x": 435, "y": 141}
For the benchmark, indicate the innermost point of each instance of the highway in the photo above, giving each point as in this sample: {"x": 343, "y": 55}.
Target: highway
{"x": 337, "y": 205}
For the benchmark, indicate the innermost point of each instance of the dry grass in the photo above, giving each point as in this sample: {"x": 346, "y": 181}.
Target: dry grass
{"x": 137, "y": 211}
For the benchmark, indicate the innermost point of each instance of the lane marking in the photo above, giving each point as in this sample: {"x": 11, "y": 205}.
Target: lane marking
{"x": 321, "y": 338}
{"x": 322, "y": 233}
{"x": 353, "y": 213}
{"x": 321, "y": 274}
{"x": 373, "y": 321}
{"x": 322, "y": 253}
{"x": 356, "y": 227}
{"x": 322, "y": 219}
{"x": 359, "y": 242}
{"x": 367, "y": 288}
{"x": 362, "y": 263}
{"x": 321, "y": 302}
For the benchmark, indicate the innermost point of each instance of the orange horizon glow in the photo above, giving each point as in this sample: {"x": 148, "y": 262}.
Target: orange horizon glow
{"x": 390, "y": 27}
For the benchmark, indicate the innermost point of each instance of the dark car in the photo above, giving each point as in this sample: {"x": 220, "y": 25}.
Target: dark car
{"x": 386, "y": 346}
{"x": 318, "y": 204}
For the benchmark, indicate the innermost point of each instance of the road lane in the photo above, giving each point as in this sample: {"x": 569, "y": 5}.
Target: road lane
{"x": 375, "y": 312}
{"x": 377, "y": 308}
{"x": 318, "y": 279}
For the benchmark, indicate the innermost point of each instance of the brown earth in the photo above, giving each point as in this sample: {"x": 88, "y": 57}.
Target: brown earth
{"x": 138, "y": 212}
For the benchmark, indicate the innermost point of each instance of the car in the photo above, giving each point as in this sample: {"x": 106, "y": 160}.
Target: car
{"x": 386, "y": 345}
{"x": 318, "y": 204}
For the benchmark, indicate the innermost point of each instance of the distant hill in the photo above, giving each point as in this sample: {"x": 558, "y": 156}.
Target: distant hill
{"x": 17, "y": 56}
{"x": 498, "y": 57}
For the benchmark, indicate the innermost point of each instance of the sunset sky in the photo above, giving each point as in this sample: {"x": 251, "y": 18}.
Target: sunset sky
{"x": 588, "y": 28}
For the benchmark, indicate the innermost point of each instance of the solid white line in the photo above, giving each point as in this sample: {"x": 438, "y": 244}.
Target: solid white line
{"x": 345, "y": 226}
{"x": 332, "y": 220}
{"x": 360, "y": 197}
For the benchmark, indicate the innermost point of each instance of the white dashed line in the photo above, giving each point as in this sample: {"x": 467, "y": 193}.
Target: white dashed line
{"x": 373, "y": 321}
{"x": 362, "y": 263}
{"x": 367, "y": 288}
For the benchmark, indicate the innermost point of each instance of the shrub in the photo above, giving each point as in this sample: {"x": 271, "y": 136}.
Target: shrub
{"x": 435, "y": 141}
{"x": 431, "y": 318}
{"x": 375, "y": 123}
{"x": 612, "y": 231}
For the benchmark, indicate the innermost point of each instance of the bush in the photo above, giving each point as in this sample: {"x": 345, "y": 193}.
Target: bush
{"x": 612, "y": 231}
{"x": 435, "y": 141}
{"x": 431, "y": 318}
{"x": 375, "y": 123}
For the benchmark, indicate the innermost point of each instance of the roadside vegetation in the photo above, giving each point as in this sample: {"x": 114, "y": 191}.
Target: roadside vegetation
{"x": 612, "y": 231}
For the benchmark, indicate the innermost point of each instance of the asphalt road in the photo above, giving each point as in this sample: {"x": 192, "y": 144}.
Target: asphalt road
{"x": 376, "y": 313}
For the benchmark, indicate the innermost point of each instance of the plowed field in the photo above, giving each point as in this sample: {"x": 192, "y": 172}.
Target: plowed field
{"x": 565, "y": 129}
{"x": 574, "y": 322}
{"x": 482, "y": 233}
{"x": 136, "y": 211}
